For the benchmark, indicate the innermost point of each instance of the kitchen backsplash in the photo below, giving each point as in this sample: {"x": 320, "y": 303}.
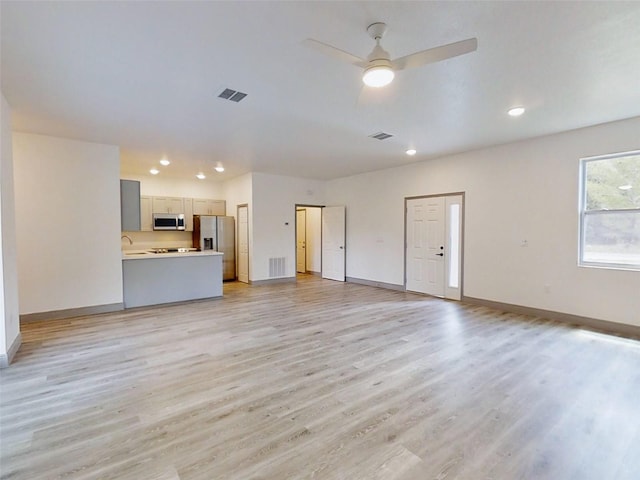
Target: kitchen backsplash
{"x": 146, "y": 240}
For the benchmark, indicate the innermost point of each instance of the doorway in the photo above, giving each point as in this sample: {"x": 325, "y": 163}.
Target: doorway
{"x": 243, "y": 243}
{"x": 434, "y": 245}
{"x": 301, "y": 240}
{"x": 308, "y": 239}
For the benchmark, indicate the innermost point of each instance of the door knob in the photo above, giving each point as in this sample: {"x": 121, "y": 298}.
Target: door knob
{"x": 440, "y": 254}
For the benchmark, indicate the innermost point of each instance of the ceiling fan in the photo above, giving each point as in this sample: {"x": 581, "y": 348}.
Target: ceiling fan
{"x": 379, "y": 68}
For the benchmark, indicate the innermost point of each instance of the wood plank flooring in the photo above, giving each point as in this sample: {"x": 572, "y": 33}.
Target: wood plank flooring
{"x": 319, "y": 380}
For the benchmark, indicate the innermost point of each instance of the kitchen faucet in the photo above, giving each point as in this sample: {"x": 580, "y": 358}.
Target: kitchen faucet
{"x": 128, "y": 238}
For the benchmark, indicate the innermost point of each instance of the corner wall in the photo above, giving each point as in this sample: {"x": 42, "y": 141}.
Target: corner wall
{"x": 10, "y": 327}
{"x": 67, "y": 223}
{"x": 520, "y": 191}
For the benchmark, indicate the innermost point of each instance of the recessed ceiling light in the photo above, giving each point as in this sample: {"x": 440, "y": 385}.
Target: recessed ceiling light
{"x": 164, "y": 162}
{"x": 201, "y": 176}
{"x": 411, "y": 152}
{"x": 625, "y": 187}
{"x": 219, "y": 169}
{"x": 154, "y": 171}
{"x": 516, "y": 111}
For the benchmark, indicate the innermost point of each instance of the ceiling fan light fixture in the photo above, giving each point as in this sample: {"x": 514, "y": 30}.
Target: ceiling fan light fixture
{"x": 378, "y": 76}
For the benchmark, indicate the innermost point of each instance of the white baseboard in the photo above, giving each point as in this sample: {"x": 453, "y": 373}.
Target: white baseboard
{"x": 622, "y": 329}
{"x": 370, "y": 283}
{"x": 5, "y": 360}
{"x": 72, "y": 312}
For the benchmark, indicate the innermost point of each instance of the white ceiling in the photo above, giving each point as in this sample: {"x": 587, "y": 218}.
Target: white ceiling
{"x": 146, "y": 76}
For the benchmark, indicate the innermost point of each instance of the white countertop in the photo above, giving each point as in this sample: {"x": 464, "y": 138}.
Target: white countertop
{"x": 147, "y": 255}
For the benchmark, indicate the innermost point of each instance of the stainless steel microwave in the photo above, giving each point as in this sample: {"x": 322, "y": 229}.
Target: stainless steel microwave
{"x": 168, "y": 221}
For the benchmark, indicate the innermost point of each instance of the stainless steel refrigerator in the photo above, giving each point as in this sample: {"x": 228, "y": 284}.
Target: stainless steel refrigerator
{"x": 212, "y": 232}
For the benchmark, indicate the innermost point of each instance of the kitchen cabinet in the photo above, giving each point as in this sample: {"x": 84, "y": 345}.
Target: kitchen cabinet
{"x": 146, "y": 214}
{"x": 168, "y": 205}
{"x": 205, "y": 206}
{"x": 129, "y": 205}
{"x": 188, "y": 214}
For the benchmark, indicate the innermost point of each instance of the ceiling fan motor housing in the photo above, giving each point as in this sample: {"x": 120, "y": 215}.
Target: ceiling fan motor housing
{"x": 377, "y": 30}
{"x": 379, "y": 71}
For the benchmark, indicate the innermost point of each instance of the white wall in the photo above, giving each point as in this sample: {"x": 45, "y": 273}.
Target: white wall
{"x": 158, "y": 185}
{"x": 274, "y": 210}
{"x": 67, "y": 222}
{"x": 521, "y": 191}
{"x": 314, "y": 239}
{"x": 9, "y": 307}
{"x": 239, "y": 191}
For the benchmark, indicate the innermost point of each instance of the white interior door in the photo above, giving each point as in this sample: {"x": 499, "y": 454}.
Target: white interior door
{"x": 301, "y": 241}
{"x": 434, "y": 246}
{"x": 333, "y": 243}
{"x": 243, "y": 244}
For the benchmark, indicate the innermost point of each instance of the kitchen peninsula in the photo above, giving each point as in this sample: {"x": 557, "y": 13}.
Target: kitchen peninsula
{"x": 155, "y": 277}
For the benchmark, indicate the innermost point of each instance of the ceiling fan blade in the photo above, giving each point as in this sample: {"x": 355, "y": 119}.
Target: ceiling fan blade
{"x": 334, "y": 52}
{"x": 436, "y": 54}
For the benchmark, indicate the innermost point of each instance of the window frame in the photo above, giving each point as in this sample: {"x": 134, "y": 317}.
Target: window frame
{"x": 583, "y": 212}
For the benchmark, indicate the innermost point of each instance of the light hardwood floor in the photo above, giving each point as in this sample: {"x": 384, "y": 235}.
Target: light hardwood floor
{"x": 319, "y": 380}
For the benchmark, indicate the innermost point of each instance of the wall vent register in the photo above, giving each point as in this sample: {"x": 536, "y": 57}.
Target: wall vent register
{"x": 232, "y": 95}
{"x": 381, "y": 135}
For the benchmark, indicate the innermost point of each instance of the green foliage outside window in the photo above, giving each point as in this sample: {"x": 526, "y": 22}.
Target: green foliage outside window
{"x": 611, "y": 213}
{"x": 613, "y": 184}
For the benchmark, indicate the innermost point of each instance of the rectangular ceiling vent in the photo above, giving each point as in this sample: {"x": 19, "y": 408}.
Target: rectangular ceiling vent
{"x": 232, "y": 95}
{"x": 381, "y": 135}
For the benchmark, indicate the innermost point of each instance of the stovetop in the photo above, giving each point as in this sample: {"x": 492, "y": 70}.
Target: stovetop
{"x": 173, "y": 250}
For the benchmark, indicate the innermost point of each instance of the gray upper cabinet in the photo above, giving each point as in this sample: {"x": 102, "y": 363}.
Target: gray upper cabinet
{"x": 130, "y": 205}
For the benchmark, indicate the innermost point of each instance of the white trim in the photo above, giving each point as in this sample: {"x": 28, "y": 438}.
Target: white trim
{"x": 5, "y": 360}
{"x": 583, "y": 213}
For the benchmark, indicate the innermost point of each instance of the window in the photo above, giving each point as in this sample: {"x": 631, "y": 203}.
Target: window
{"x": 610, "y": 211}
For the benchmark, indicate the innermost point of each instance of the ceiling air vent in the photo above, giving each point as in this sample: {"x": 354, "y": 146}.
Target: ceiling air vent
{"x": 381, "y": 136}
{"x": 232, "y": 95}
